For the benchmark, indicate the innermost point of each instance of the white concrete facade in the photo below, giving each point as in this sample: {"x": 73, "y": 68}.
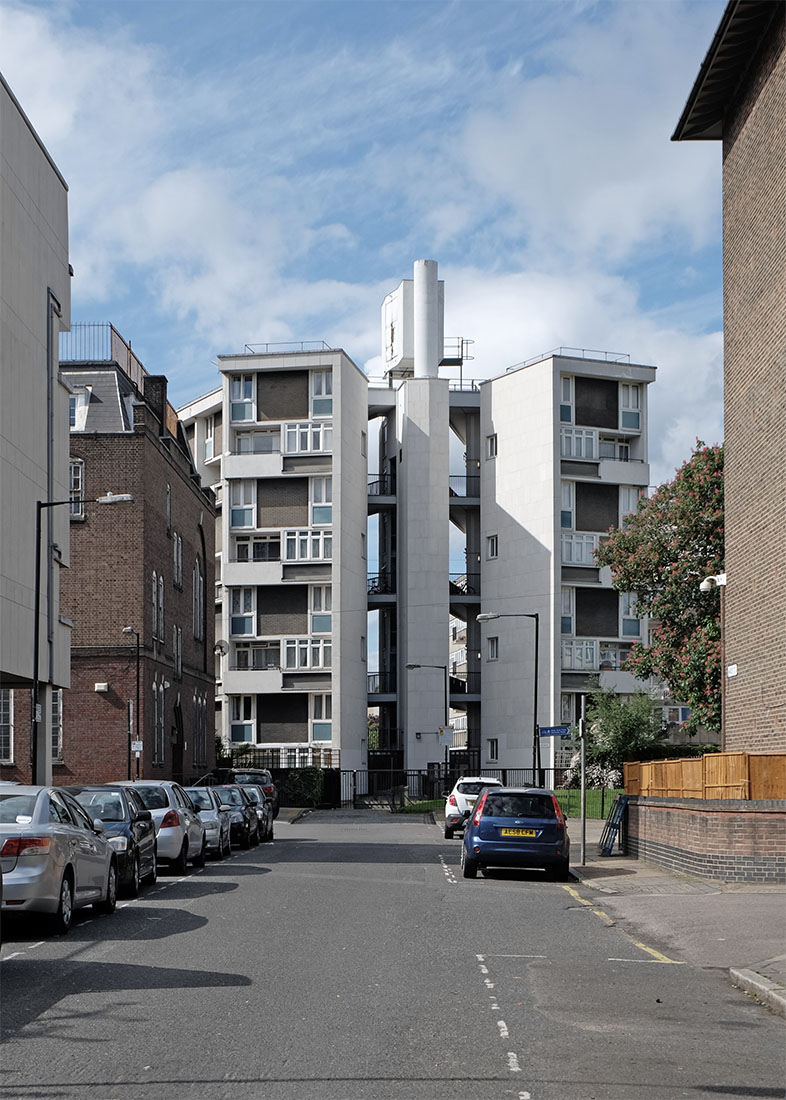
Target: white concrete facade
{"x": 35, "y": 302}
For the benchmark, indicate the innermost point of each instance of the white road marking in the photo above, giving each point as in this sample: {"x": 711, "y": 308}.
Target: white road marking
{"x": 660, "y": 962}
{"x": 503, "y": 1029}
{"x": 513, "y": 1064}
{"x": 13, "y": 955}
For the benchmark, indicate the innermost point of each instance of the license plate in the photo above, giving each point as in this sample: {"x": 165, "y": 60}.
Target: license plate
{"x": 518, "y": 832}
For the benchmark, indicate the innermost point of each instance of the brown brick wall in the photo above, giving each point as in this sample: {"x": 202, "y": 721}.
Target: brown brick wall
{"x": 282, "y": 610}
{"x": 282, "y": 395}
{"x": 282, "y": 718}
{"x": 730, "y": 841}
{"x": 114, "y": 551}
{"x": 282, "y": 503}
{"x": 754, "y": 240}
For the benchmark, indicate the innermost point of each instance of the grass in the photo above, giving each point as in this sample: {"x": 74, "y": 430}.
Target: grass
{"x": 598, "y": 803}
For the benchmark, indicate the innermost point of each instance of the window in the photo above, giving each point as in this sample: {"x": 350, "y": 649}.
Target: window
{"x": 493, "y": 649}
{"x": 578, "y": 656}
{"x": 308, "y": 545}
{"x": 177, "y": 652}
{"x": 492, "y": 748}
{"x": 242, "y": 712}
{"x": 198, "y": 599}
{"x": 577, "y": 443}
{"x": 210, "y": 435}
{"x": 263, "y": 548}
{"x": 363, "y": 444}
{"x": 6, "y": 726}
{"x": 242, "y": 611}
{"x": 241, "y": 498}
{"x": 492, "y": 546}
{"x": 57, "y": 724}
{"x": 491, "y": 446}
{"x": 76, "y": 488}
{"x": 241, "y": 396}
{"x": 177, "y": 560}
{"x": 304, "y": 653}
{"x": 616, "y": 449}
{"x": 629, "y": 413}
{"x": 200, "y": 729}
{"x": 566, "y": 400}
{"x": 363, "y": 648}
{"x": 308, "y": 438}
{"x": 631, "y": 625}
{"x": 321, "y": 392}
{"x": 568, "y": 609}
{"x": 568, "y": 503}
{"x": 363, "y": 544}
{"x": 322, "y": 725}
{"x": 579, "y": 549}
{"x": 629, "y": 499}
{"x": 161, "y": 606}
{"x": 155, "y": 604}
{"x": 72, "y": 411}
{"x": 321, "y": 607}
{"x": 168, "y": 508}
{"x": 158, "y": 723}
{"x": 321, "y": 500}
{"x": 260, "y": 655}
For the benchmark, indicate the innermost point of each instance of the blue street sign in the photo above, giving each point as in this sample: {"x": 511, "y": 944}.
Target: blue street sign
{"x": 555, "y": 731}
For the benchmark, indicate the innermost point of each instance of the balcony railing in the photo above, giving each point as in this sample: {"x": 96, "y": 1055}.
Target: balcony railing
{"x": 467, "y": 584}
{"x": 381, "y": 486}
{"x": 381, "y": 584}
{"x": 381, "y": 683}
{"x": 466, "y": 684}
{"x": 464, "y": 486}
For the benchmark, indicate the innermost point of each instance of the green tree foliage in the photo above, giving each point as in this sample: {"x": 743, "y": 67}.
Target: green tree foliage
{"x": 621, "y": 728}
{"x": 662, "y": 553}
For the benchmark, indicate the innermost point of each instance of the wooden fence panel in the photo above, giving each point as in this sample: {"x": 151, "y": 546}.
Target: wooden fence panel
{"x": 674, "y": 778}
{"x": 726, "y": 775}
{"x": 692, "y": 777}
{"x": 767, "y": 775}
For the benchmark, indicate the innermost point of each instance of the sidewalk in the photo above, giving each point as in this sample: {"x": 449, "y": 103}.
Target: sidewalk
{"x": 740, "y": 928}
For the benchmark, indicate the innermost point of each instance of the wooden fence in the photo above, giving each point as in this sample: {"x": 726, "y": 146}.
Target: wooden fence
{"x": 717, "y": 775}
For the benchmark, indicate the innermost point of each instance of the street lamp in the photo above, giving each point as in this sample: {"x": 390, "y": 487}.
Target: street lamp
{"x": 108, "y": 498}
{"x": 718, "y": 580}
{"x": 131, "y": 630}
{"x": 486, "y": 617}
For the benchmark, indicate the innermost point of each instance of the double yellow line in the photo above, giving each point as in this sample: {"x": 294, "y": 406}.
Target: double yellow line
{"x": 608, "y": 920}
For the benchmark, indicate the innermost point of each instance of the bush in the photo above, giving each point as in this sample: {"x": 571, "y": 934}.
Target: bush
{"x": 303, "y": 787}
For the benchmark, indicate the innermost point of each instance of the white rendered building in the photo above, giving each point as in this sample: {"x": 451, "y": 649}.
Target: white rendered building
{"x": 35, "y": 303}
{"x": 342, "y": 592}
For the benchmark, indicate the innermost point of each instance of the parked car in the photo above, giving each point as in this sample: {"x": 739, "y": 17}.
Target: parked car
{"x": 215, "y": 816}
{"x": 516, "y": 827}
{"x": 180, "y": 835}
{"x": 462, "y": 798}
{"x": 261, "y": 777}
{"x": 128, "y": 827}
{"x": 54, "y": 859}
{"x": 264, "y": 808}
{"x": 244, "y": 823}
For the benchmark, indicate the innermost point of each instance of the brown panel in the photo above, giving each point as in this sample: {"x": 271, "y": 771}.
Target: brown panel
{"x": 282, "y": 502}
{"x": 282, "y": 395}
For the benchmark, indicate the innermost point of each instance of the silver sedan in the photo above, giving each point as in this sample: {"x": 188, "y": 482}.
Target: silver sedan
{"x": 54, "y": 859}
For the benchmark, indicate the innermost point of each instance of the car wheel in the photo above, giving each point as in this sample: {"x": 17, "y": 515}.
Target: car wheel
{"x": 178, "y": 866}
{"x": 109, "y": 903}
{"x": 448, "y": 833}
{"x": 152, "y": 877}
{"x": 269, "y": 837}
{"x": 199, "y": 861}
{"x": 134, "y": 880}
{"x": 469, "y": 867}
{"x": 227, "y": 847}
{"x": 60, "y": 922}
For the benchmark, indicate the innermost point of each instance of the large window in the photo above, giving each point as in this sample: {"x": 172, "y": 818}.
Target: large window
{"x": 259, "y": 655}
{"x": 242, "y": 611}
{"x": 260, "y": 548}
{"x": 308, "y": 653}
{"x": 241, "y": 395}
{"x": 262, "y": 442}
{"x": 322, "y": 724}
{"x": 578, "y": 443}
{"x": 629, "y": 499}
{"x": 242, "y": 718}
{"x": 308, "y": 545}
{"x": 242, "y": 493}
{"x": 198, "y": 599}
{"x": 308, "y": 438}
{"x": 76, "y": 488}
{"x": 579, "y": 549}
{"x": 579, "y": 656}
{"x": 322, "y": 392}
{"x": 566, "y": 399}
{"x": 321, "y": 500}
{"x": 630, "y": 397}
{"x": 321, "y": 608}
{"x": 6, "y": 726}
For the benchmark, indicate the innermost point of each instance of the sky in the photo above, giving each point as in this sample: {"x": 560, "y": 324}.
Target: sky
{"x": 247, "y": 171}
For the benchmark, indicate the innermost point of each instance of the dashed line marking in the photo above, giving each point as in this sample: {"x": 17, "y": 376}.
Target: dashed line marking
{"x": 513, "y": 1064}
{"x": 503, "y": 1029}
{"x": 449, "y": 872}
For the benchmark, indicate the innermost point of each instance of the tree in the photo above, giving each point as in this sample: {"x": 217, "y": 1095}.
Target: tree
{"x": 618, "y": 729}
{"x": 662, "y": 553}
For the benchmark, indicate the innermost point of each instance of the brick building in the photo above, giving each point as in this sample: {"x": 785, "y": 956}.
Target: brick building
{"x": 739, "y": 98}
{"x": 144, "y": 568}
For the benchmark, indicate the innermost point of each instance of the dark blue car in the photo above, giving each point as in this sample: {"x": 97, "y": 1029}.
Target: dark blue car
{"x": 128, "y": 827}
{"x": 516, "y": 827}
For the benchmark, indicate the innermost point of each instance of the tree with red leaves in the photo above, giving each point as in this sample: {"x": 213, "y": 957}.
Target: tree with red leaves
{"x": 662, "y": 553}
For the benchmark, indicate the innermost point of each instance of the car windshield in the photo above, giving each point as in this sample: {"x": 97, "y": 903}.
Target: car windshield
{"x": 519, "y": 805}
{"x": 108, "y": 805}
{"x": 154, "y": 798}
{"x": 472, "y": 788}
{"x": 232, "y": 796}
{"x": 14, "y": 806}
{"x": 253, "y": 794}
{"x": 200, "y": 797}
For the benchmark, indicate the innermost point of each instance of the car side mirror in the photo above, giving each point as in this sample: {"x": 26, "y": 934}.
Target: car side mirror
{"x": 197, "y": 809}
{"x": 98, "y": 826}
{"x": 143, "y": 815}
{"x": 224, "y": 806}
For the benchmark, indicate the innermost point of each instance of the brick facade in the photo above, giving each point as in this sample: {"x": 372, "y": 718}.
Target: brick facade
{"x": 727, "y": 841}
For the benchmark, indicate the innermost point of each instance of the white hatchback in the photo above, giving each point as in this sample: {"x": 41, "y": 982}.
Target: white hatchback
{"x": 462, "y": 798}
{"x": 180, "y": 835}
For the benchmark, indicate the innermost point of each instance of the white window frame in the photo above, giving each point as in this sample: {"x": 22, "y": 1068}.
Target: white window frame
{"x": 566, "y": 399}
{"x": 567, "y": 610}
{"x": 210, "y": 436}
{"x": 492, "y": 547}
{"x": 308, "y": 545}
{"x": 322, "y": 716}
{"x": 630, "y": 624}
{"x": 307, "y": 437}
{"x": 322, "y": 392}
{"x": 321, "y": 608}
{"x": 567, "y": 505}
{"x": 242, "y": 605}
{"x": 307, "y": 653}
{"x": 76, "y": 488}
{"x": 578, "y": 443}
{"x": 6, "y": 726}
{"x": 629, "y": 500}
{"x": 492, "y": 445}
{"x": 322, "y": 501}
{"x": 241, "y": 713}
{"x": 242, "y": 499}
{"x": 580, "y": 655}
{"x": 579, "y": 549}
{"x": 241, "y": 398}
{"x": 630, "y": 406}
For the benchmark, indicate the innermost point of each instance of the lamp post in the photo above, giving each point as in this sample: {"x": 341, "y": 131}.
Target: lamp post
{"x": 718, "y": 580}
{"x": 131, "y": 630}
{"x": 486, "y": 617}
{"x": 35, "y": 708}
{"x": 447, "y": 702}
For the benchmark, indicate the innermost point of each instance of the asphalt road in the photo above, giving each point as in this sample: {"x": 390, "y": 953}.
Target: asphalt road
{"x": 350, "y": 961}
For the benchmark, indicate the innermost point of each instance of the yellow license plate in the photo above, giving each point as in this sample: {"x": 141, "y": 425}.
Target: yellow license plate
{"x": 518, "y": 832}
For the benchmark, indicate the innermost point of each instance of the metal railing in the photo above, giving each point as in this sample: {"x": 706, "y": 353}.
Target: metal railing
{"x": 467, "y": 683}
{"x": 574, "y": 353}
{"x": 381, "y": 584}
{"x": 287, "y": 347}
{"x": 380, "y": 683}
{"x": 380, "y": 485}
{"x": 465, "y": 583}
{"x": 464, "y": 486}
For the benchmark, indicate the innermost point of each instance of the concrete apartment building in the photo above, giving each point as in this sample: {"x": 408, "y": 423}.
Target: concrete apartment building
{"x": 342, "y": 592}
{"x": 35, "y": 303}
{"x": 739, "y": 99}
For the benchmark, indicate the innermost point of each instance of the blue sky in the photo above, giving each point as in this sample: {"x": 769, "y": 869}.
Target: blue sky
{"x": 243, "y": 172}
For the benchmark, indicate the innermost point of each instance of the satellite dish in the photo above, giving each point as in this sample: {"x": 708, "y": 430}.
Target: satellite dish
{"x": 221, "y": 647}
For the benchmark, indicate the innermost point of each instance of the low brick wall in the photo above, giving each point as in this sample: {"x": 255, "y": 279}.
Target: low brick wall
{"x": 730, "y": 840}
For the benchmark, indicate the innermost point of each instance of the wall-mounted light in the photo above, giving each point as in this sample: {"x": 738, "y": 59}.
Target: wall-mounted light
{"x": 102, "y": 688}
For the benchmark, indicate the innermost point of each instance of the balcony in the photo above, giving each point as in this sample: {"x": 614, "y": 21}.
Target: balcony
{"x": 461, "y": 486}
{"x": 381, "y": 683}
{"x": 465, "y": 584}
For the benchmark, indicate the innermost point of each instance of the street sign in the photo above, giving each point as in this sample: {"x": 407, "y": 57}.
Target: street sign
{"x": 136, "y": 746}
{"x": 555, "y": 731}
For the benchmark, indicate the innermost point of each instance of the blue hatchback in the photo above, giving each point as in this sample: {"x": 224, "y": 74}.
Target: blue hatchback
{"x": 516, "y": 827}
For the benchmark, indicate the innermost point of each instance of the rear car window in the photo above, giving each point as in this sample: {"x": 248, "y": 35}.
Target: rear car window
{"x": 13, "y": 806}
{"x": 233, "y": 796}
{"x": 519, "y": 805}
{"x": 470, "y": 788}
{"x": 106, "y": 805}
{"x": 153, "y": 798}
{"x": 200, "y": 798}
